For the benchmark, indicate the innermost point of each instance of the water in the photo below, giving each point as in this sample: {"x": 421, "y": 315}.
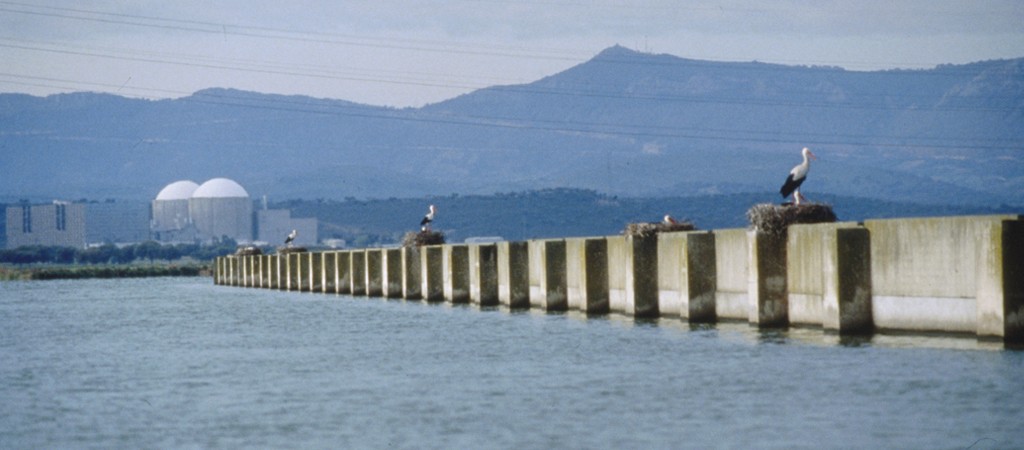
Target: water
{"x": 179, "y": 362}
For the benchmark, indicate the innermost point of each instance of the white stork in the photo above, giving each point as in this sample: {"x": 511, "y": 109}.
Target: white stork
{"x": 669, "y": 220}
{"x": 797, "y": 176}
{"x": 291, "y": 237}
{"x": 429, "y": 217}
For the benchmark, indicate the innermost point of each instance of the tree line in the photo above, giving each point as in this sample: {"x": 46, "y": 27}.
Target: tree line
{"x": 111, "y": 254}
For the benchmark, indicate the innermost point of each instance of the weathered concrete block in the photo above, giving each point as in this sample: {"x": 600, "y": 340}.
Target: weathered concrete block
{"x": 344, "y": 268}
{"x": 293, "y": 271}
{"x": 514, "y": 274}
{"x": 374, "y": 273}
{"x": 412, "y": 275}
{"x": 686, "y": 275}
{"x": 305, "y": 271}
{"x": 925, "y": 272}
{"x": 846, "y": 306}
{"x": 483, "y": 274}
{"x": 316, "y": 273}
{"x": 357, "y": 265}
{"x": 731, "y": 273}
{"x": 393, "y": 273}
{"x": 807, "y": 253}
{"x": 456, "y": 273}
{"x": 1000, "y": 278}
{"x": 766, "y": 283}
{"x": 433, "y": 273}
{"x": 633, "y": 275}
{"x": 330, "y": 272}
{"x": 586, "y": 267}
{"x": 547, "y": 274}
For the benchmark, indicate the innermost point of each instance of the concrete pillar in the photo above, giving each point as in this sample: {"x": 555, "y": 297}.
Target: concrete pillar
{"x": 586, "y": 280}
{"x": 343, "y": 266}
{"x": 483, "y": 274}
{"x": 374, "y": 273}
{"x": 250, "y": 271}
{"x": 731, "y": 269}
{"x": 1000, "y": 282}
{"x": 257, "y": 271}
{"x": 305, "y": 271}
{"x": 330, "y": 272}
{"x": 686, "y": 275}
{"x": 633, "y": 275}
{"x": 243, "y": 271}
{"x": 846, "y": 307}
{"x": 456, "y": 273}
{"x": 246, "y": 262}
{"x": 412, "y": 273}
{"x": 393, "y": 273}
{"x": 433, "y": 273}
{"x": 229, "y": 270}
{"x": 547, "y": 275}
{"x": 316, "y": 272}
{"x": 265, "y": 271}
{"x": 766, "y": 282}
{"x": 294, "y": 271}
{"x": 514, "y": 274}
{"x": 357, "y": 264}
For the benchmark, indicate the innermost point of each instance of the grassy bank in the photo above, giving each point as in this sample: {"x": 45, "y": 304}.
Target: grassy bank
{"x": 55, "y": 272}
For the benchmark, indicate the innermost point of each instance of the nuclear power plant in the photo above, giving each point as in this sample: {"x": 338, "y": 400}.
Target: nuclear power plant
{"x": 184, "y": 211}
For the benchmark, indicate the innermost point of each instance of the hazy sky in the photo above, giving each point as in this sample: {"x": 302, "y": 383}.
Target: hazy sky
{"x": 408, "y": 53}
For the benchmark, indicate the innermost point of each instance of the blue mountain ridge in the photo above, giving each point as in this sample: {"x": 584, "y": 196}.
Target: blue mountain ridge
{"x": 623, "y": 123}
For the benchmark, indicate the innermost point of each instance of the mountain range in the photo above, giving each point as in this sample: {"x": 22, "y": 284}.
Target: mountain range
{"x": 623, "y": 123}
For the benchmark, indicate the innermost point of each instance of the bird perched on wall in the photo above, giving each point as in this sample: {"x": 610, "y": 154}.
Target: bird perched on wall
{"x": 428, "y": 218}
{"x": 797, "y": 176}
{"x": 669, "y": 220}
{"x": 291, "y": 237}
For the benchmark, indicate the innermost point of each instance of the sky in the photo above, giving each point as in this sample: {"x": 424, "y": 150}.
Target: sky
{"x": 407, "y": 53}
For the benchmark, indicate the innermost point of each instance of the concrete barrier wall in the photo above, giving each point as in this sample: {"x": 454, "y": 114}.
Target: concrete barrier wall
{"x": 586, "y": 266}
{"x": 731, "y": 267}
{"x": 925, "y": 272}
{"x": 393, "y": 273}
{"x": 686, "y": 276}
{"x": 483, "y": 274}
{"x": 357, "y": 268}
{"x": 959, "y": 274}
{"x": 374, "y": 273}
{"x": 514, "y": 274}
{"x": 433, "y": 273}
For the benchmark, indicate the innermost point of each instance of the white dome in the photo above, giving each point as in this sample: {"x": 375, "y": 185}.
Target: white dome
{"x": 220, "y": 188}
{"x": 178, "y": 190}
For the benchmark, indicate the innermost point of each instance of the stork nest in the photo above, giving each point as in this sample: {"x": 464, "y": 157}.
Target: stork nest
{"x": 248, "y": 250}
{"x": 419, "y": 239}
{"x": 646, "y": 229}
{"x": 287, "y": 250}
{"x": 776, "y": 219}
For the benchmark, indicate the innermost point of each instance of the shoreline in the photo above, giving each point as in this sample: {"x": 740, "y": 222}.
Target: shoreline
{"x": 70, "y": 272}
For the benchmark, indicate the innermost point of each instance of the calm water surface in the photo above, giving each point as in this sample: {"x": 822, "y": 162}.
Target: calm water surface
{"x": 179, "y": 362}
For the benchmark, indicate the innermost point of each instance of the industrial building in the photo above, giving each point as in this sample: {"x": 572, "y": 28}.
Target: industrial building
{"x": 58, "y": 224}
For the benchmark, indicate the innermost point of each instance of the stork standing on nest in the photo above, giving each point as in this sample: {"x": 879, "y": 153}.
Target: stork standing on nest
{"x": 797, "y": 176}
{"x": 669, "y": 220}
{"x": 291, "y": 237}
{"x": 427, "y": 219}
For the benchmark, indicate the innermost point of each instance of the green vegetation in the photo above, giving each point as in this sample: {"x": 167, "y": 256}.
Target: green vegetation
{"x": 146, "y": 259}
{"x": 54, "y": 272}
{"x": 150, "y": 251}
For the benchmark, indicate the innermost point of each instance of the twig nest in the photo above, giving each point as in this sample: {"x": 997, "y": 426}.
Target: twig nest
{"x": 418, "y": 239}
{"x": 248, "y": 250}
{"x": 287, "y": 250}
{"x": 775, "y": 219}
{"x": 645, "y": 229}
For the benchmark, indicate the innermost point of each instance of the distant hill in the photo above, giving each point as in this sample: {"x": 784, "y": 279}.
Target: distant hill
{"x": 552, "y": 213}
{"x": 624, "y": 123}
